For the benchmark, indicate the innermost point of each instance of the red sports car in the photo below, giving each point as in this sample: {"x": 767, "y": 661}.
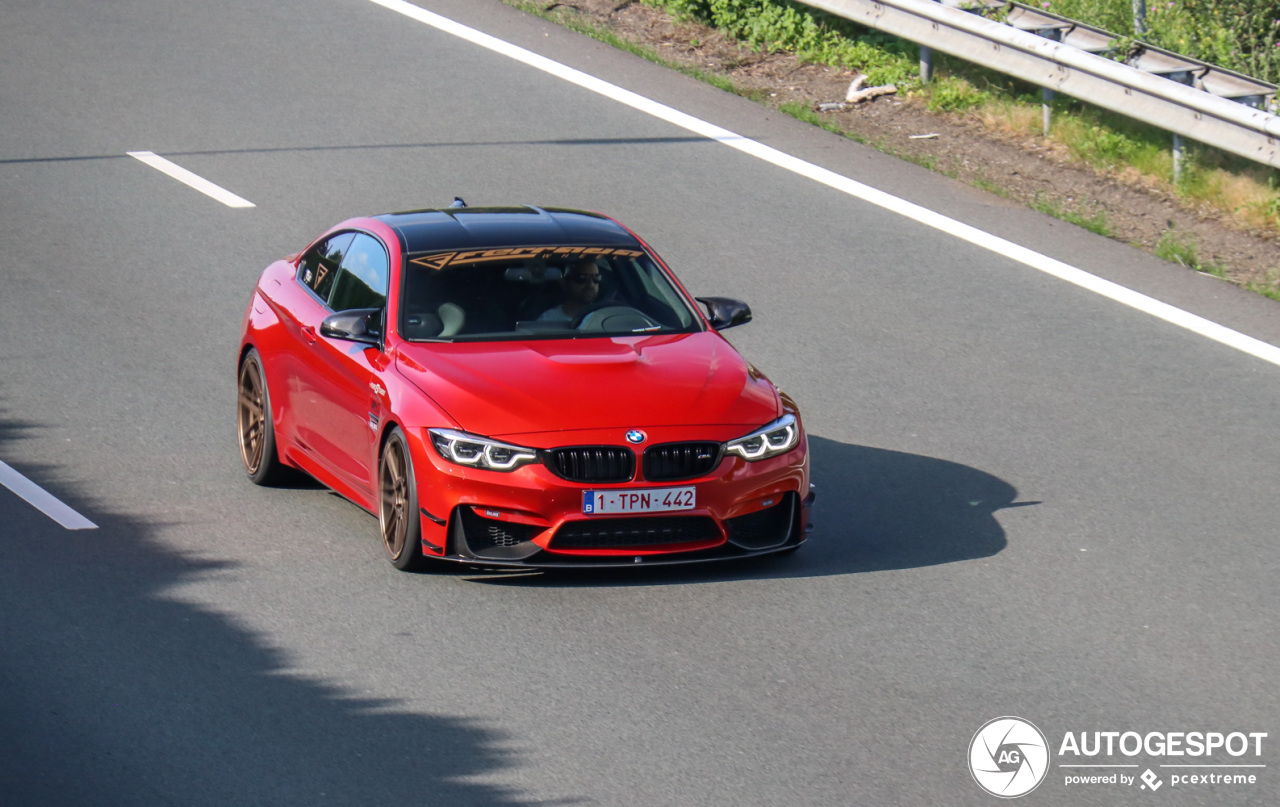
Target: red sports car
{"x": 518, "y": 386}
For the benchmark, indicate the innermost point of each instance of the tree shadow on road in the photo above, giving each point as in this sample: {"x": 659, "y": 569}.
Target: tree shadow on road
{"x": 114, "y": 692}
{"x": 876, "y": 510}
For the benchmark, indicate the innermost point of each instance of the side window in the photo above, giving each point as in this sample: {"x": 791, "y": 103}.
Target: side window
{"x": 319, "y": 267}
{"x": 362, "y": 277}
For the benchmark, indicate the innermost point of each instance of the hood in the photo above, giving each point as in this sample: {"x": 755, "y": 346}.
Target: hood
{"x": 505, "y": 388}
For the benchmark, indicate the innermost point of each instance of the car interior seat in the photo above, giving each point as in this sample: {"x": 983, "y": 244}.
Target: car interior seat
{"x": 452, "y": 318}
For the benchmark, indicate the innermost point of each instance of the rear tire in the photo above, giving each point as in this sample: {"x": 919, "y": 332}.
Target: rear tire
{"x": 257, "y": 435}
{"x": 398, "y": 517}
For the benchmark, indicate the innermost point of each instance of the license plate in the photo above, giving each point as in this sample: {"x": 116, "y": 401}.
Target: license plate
{"x": 658, "y": 500}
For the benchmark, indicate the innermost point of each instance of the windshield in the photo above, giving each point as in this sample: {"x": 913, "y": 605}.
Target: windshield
{"x": 539, "y": 292}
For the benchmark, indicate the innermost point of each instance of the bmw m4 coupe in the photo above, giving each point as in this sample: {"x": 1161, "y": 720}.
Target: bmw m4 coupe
{"x": 518, "y": 386}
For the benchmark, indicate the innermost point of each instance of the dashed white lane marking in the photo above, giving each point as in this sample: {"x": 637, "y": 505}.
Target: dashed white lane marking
{"x": 923, "y": 215}
{"x": 189, "y": 179}
{"x": 43, "y": 500}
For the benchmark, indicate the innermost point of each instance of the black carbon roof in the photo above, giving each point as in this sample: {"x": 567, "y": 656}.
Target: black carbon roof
{"x": 484, "y": 227}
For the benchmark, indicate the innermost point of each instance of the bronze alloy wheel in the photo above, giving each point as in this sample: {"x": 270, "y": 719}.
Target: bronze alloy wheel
{"x": 253, "y": 424}
{"x": 398, "y": 504}
{"x": 252, "y": 416}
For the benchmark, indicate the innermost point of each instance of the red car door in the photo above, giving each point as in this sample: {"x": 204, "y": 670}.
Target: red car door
{"x": 303, "y": 305}
{"x": 340, "y": 377}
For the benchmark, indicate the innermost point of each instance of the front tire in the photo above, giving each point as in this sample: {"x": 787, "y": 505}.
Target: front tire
{"x": 398, "y": 504}
{"x": 257, "y": 435}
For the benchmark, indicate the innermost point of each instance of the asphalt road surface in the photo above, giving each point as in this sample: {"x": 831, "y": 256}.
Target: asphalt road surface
{"x": 1033, "y": 501}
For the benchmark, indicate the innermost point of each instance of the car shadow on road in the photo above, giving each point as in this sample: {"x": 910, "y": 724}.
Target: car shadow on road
{"x": 876, "y": 510}
{"x": 115, "y": 691}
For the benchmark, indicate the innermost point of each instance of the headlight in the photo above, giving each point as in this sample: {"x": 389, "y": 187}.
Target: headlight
{"x": 778, "y": 437}
{"x": 475, "y": 451}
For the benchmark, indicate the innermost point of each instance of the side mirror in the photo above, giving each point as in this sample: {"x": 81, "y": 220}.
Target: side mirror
{"x": 725, "y": 312}
{"x": 363, "y": 325}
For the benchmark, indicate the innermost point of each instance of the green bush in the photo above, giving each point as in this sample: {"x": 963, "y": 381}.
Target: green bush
{"x": 952, "y": 94}
{"x": 1240, "y": 35}
{"x": 1115, "y": 16}
{"x": 812, "y": 35}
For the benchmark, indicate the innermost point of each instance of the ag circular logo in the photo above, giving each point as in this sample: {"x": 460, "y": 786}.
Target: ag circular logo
{"x": 635, "y": 436}
{"x": 1008, "y": 757}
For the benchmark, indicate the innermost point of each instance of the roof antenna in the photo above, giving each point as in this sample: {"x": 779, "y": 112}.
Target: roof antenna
{"x": 457, "y": 202}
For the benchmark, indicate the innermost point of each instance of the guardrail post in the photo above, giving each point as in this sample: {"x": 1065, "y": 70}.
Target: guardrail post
{"x": 926, "y": 61}
{"x": 1177, "y": 159}
{"x": 1046, "y": 99}
{"x": 1140, "y": 18}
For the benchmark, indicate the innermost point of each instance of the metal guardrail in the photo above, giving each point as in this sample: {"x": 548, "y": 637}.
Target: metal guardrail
{"x": 1203, "y": 102}
{"x": 1145, "y": 57}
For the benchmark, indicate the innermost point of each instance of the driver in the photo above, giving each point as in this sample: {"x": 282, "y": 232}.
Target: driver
{"x": 581, "y": 287}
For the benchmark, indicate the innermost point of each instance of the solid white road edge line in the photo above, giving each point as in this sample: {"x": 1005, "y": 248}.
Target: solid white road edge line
{"x": 923, "y": 215}
{"x": 189, "y": 179}
{"x": 43, "y": 500}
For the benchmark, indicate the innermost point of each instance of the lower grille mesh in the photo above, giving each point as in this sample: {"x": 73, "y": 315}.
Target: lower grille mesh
{"x": 620, "y": 533}
{"x": 486, "y": 533}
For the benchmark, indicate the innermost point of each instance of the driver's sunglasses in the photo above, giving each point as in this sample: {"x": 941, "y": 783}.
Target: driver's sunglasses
{"x": 585, "y": 279}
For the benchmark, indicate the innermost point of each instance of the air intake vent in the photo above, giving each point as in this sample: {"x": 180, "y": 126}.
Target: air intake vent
{"x": 484, "y": 534}
{"x": 671, "y": 461}
{"x": 635, "y": 533}
{"x": 593, "y": 463}
{"x": 764, "y": 529}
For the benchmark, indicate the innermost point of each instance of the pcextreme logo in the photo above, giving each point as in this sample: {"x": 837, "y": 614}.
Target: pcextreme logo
{"x": 1010, "y": 757}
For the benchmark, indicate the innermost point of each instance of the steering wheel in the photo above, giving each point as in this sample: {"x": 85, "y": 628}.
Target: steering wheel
{"x": 607, "y": 317}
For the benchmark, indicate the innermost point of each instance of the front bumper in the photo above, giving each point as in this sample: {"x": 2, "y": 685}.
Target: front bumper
{"x": 532, "y": 518}
{"x": 781, "y": 527}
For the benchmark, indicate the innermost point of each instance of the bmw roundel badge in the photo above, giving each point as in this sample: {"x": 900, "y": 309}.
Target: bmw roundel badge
{"x": 635, "y": 436}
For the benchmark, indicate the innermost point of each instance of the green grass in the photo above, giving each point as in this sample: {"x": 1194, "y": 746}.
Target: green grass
{"x": 1108, "y": 141}
{"x": 951, "y": 93}
{"x": 802, "y": 111}
{"x": 814, "y": 36}
{"x": 1271, "y": 288}
{"x": 991, "y": 187}
{"x": 1095, "y": 223}
{"x": 1171, "y": 247}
